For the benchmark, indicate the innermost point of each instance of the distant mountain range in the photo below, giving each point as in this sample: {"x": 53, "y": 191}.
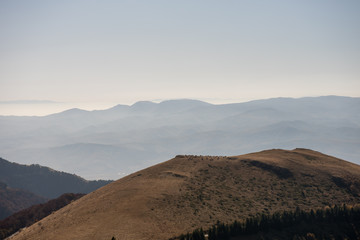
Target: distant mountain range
{"x": 107, "y": 144}
{"x": 189, "y": 192}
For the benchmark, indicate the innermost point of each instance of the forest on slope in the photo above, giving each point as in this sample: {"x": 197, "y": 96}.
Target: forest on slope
{"x": 29, "y": 216}
{"x": 22, "y": 186}
{"x": 336, "y": 222}
{"x": 44, "y": 181}
{"x": 13, "y": 200}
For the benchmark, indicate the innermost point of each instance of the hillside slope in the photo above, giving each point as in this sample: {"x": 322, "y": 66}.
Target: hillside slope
{"x": 30, "y": 215}
{"x": 44, "y": 181}
{"x": 13, "y": 200}
{"x": 189, "y": 192}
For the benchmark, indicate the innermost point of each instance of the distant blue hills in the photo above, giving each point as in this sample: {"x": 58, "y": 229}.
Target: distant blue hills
{"x": 107, "y": 144}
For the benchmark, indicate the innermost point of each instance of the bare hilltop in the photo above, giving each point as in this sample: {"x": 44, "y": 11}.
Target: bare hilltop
{"x": 189, "y": 192}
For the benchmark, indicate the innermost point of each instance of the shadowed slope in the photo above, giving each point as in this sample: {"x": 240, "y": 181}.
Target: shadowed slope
{"x": 13, "y": 200}
{"x": 189, "y": 192}
{"x": 44, "y": 181}
{"x": 30, "y": 215}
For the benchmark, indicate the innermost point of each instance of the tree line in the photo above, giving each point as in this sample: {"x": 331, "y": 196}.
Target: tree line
{"x": 336, "y": 222}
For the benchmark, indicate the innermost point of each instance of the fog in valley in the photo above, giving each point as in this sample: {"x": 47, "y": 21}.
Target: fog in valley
{"x": 111, "y": 143}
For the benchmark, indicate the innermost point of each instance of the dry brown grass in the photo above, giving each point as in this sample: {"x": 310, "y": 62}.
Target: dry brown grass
{"x": 188, "y": 192}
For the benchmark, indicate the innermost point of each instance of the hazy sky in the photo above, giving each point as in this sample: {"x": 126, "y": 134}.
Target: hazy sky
{"x": 222, "y": 51}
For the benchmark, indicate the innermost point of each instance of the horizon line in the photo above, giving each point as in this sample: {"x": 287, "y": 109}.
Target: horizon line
{"x": 108, "y": 105}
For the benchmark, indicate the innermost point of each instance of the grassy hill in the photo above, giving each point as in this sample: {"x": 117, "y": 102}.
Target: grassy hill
{"x": 189, "y": 192}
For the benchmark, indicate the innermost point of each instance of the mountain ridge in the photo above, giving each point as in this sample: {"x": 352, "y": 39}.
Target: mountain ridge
{"x": 165, "y": 102}
{"x": 44, "y": 181}
{"x": 189, "y": 192}
{"x": 168, "y": 128}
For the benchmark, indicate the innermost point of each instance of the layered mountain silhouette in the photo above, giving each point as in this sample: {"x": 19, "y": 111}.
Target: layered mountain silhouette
{"x": 44, "y": 181}
{"x": 22, "y": 186}
{"x": 28, "y": 216}
{"x": 192, "y": 191}
{"x": 13, "y": 200}
{"x": 108, "y": 144}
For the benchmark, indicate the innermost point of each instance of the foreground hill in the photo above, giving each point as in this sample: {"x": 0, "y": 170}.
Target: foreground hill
{"x": 190, "y": 192}
{"x": 44, "y": 181}
{"x": 124, "y": 139}
{"x": 13, "y": 200}
{"x": 28, "y": 216}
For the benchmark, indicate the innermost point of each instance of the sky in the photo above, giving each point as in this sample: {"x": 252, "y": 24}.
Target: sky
{"x": 96, "y": 54}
